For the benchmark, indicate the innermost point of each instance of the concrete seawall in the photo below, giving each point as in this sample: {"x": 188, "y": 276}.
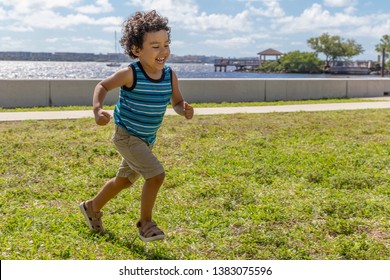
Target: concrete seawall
{"x": 32, "y": 93}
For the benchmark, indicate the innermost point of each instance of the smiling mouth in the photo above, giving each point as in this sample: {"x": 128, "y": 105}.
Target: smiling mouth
{"x": 160, "y": 60}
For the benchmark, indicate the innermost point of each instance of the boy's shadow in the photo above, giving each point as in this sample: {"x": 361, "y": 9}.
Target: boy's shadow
{"x": 147, "y": 251}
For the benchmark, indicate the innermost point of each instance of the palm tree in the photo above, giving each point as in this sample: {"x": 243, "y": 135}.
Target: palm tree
{"x": 384, "y": 44}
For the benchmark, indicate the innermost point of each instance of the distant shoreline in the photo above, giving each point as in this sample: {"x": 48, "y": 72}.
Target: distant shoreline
{"x": 373, "y": 74}
{"x": 92, "y": 57}
{"x": 99, "y": 70}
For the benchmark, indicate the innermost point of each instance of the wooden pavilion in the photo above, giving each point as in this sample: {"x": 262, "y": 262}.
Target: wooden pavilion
{"x": 269, "y": 52}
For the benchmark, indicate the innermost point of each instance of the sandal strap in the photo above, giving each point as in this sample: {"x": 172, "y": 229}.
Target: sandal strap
{"x": 149, "y": 229}
{"x": 94, "y": 219}
{"x": 97, "y": 215}
{"x": 91, "y": 214}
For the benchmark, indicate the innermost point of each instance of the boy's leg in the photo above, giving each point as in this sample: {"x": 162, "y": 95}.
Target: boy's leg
{"x": 91, "y": 208}
{"x": 148, "y": 230}
{"x": 149, "y": 195}
{"x": 109, "y": 191}
{"x": 139, "y": 158}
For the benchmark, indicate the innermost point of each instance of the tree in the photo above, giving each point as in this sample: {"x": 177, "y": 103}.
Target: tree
{"x": 294, "y": 62}
{"x": 384, "y": 44}
{"x": 335, "y": 47}
{"x": 271, "y": 67}
{"x": 323, "y": 44}
{"x": 351, "y": 48}
{"x": 301, "y": 62}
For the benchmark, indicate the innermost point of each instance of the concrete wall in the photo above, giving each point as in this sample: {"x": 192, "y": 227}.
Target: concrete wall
{"x": 24, "y": 93}
{"x": 222, "y": 90}
{"x": 31, "y": 93}
{"x": 368, "y": 88}
{"x": 299, "y": 89}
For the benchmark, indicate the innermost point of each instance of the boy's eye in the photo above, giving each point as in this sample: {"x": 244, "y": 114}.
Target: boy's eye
{"x": 157, "y": 47}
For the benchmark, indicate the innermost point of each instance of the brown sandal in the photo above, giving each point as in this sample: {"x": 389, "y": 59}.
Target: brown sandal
{"x": 94, "y": 219}
{"x": 150, "y": 232}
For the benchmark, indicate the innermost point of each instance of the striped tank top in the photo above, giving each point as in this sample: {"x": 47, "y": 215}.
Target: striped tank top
{"x": 140, "y": 109}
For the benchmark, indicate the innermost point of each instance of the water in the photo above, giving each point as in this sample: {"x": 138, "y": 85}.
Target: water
{"x": 99, "y": 70}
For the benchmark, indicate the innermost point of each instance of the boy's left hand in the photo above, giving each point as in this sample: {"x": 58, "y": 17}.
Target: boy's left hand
{"x": 188, "y": 111}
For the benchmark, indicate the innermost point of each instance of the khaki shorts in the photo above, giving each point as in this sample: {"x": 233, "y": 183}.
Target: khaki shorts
{"x": 137, "y": 157}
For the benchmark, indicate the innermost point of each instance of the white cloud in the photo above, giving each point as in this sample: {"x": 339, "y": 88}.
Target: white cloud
{"x": 376, "y": 26}
{"x": 219, "y": 23}
{"x": 339, "y": 3}
{"x": 316, "y": 19}
{"x": 8, "y": 43}
{"x": 185, "y": 13}
{"x": 91, "y": 41}
{"x": 231, "y": 43}
{"x": 300, "y": 44}
{"x": 78, "y": 44}
{"x": 114, "y": 21}
{"x": 52, "y": 40}
{"x": 102, "y": 6}
{"x": 175, "y": 10}
{"x": 31, "y": 14}
{"x": 3, "y": 13}
{"x": 177, "y": 43}
{"x": 112, "y": 28}
{"x": 16, "y": 28}
{"x": 28, "y": 6}
{"x": 272, "y": 9}
{"x": 50, "y": 20}
{"x": 348, "y": 5}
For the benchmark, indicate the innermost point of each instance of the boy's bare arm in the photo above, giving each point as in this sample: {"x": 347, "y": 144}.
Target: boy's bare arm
{"x": 99, "y": 95}
{"x": 120, "y": 78}
{"x": 184, "y": 109}
{"x": 101, "y": 117}
{"x": 180, "y": 106}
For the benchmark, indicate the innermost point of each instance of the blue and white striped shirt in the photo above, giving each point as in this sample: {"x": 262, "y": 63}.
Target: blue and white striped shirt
{"x": 140, "y": 109}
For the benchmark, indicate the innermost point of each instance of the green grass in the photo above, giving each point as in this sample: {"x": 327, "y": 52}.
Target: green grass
{"x": 247, "y": 186}
{"x": 202, "y": 105}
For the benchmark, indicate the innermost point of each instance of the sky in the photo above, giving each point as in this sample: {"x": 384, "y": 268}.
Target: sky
{"x": 227, "y": 28}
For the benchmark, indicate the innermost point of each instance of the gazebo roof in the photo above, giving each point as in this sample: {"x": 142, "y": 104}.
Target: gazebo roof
{"x": 270, "y": 52}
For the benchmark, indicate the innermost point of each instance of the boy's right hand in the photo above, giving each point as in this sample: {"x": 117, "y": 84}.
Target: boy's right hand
{"x": 102, "y": 117}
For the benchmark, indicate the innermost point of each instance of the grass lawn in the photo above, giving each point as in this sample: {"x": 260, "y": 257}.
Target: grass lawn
{"x": 204, "y": 105}
{"x": 247, "y": 186}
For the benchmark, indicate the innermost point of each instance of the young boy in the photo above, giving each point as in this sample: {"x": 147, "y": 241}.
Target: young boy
{"x": 146, "y": 87}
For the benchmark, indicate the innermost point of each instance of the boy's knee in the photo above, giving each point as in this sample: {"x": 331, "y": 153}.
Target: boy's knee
{"x": 122, "y": 182}
{"x": 158, "y": 179}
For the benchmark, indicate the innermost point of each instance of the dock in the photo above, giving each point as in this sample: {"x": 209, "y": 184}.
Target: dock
{"x": 240, "y": 64}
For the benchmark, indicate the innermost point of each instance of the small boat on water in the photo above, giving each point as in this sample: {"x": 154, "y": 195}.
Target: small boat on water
{"x": 350, "y": 67}
{"x": 115, "y": 63}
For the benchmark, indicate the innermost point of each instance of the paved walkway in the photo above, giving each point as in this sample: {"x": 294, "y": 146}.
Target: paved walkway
{"x": 384, "y": 103}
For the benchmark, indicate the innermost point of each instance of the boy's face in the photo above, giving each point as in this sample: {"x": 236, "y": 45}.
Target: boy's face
{"x": 155, "y": 50}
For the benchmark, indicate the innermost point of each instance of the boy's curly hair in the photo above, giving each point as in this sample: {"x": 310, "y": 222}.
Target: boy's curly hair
{"x": 135, "y": 27}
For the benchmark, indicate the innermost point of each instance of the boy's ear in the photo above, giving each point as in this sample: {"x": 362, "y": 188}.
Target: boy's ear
{"x": 135, "y": 50}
